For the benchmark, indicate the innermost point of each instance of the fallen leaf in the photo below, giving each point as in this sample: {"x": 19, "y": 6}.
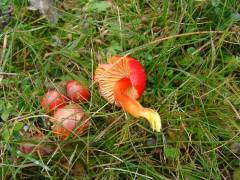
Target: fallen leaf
{"x": 46, "y": 7}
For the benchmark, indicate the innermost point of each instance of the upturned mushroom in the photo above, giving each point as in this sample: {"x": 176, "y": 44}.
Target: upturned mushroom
{"x": 121, "y": 82}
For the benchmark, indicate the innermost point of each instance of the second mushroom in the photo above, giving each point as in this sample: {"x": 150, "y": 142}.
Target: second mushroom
{"x": 121, "y": 82}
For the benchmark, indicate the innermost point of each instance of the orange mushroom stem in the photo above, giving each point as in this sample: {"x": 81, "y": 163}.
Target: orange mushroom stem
{"x": 132, "y": 106}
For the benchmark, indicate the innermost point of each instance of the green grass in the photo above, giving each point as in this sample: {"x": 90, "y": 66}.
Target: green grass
{"x": 191, "y": 53}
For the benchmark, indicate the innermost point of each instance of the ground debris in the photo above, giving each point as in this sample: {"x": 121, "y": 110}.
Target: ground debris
{"x": 46, "y": 7}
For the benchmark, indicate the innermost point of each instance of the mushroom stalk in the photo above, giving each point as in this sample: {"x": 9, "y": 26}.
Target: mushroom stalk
{"x": 132, "y": 106}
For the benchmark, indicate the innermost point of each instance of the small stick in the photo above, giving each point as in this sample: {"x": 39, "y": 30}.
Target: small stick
{"x": 4, "y": 48}
{"x": 8, "y": 74}
{"x": 158, "y": 40}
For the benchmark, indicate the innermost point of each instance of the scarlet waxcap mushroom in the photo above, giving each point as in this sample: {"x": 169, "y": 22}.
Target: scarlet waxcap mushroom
{"x": 69, "y": 119}
{"x": 121, "y": 82}
{"x": 52, "y": 100}
{"x": 77, "y": 92}
{"x": 36, "y": 148}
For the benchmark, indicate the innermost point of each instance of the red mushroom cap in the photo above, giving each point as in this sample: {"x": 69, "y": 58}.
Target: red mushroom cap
{"x": 77, "y": 92}
{"x": 69, "y": 119}
{"x": 52, "y": 100}
{"x": 38, "y": 147}
{"x": 137, "y": 75}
